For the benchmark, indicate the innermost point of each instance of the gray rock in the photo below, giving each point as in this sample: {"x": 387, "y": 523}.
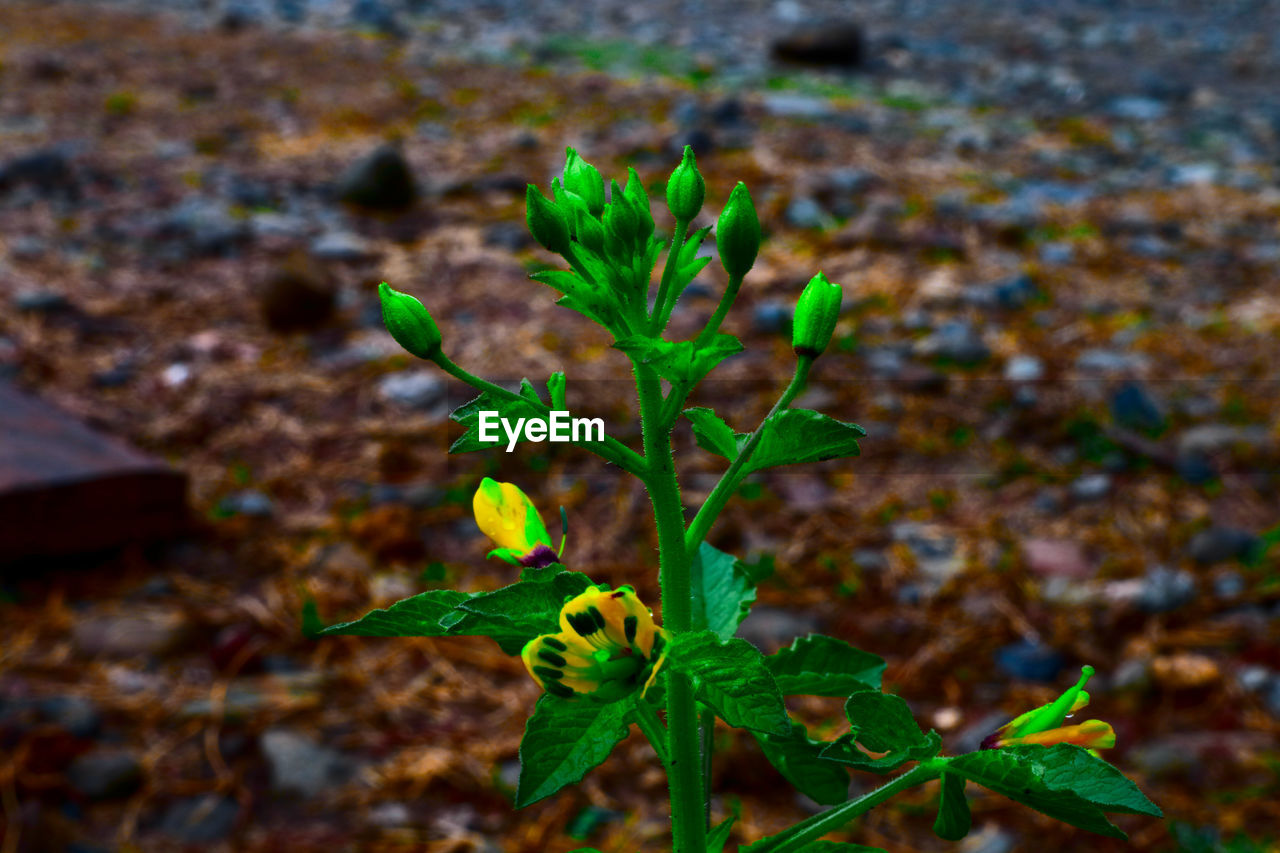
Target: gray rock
{"x": 1091, "y": 487}
{"x": 1164, "y": 590}
{"x": 206, "y": 819}
{"x": 139, "y": 633}
{"x": 251, "y": 503}
{"x": 1023, "y": 368}
{"x": 989, "y": 839}
{"x": 1009, "y": 294}
{"x": 838, "y": 43}
{"x": 422, "y": 390}
{"x": 342, "y": 246}
{"x": 105, "y": 774}
{"x": 771, "y": 318}
{"x": 870, "y": 560}
{"x": 302, "y": 767}
{"x": 795, "y": 105}
{"x": 1219, "y": 544}
{"x": 771, "y": 628}
{"x": 40, "y": 302}
{"x": 804, "y": 212}
{"x": 1057, "y": 253}
{"x": 1133, "y": 406}
{"x": 1212, "y": 438}
{"x": 74, "y": 714}
{"x": 510, "y": 236}
{"x": 382, "y": 180}
{"x": 1229, "y": 586}
{"x": 47, "y": 170}
{"x": 1111, "y": 361}
{"x": 1138, "y": 108}
{"x": 203, "y": 227}
{"x": 934, "y": 551}
{"x": 955, "y": 340}
{"x": 26, "y": 247}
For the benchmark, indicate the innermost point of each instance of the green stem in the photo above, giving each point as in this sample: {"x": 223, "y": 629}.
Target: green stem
{"x": 610, "y": 449}
{"x": 726, "y": 301}
{"x": 812, "y": 828}
{"x": 660, "y": 310}
{"x": 647, "y": 720}
{"x": 688, "y": 803}
{"x": 732, "y": 478}
{"x": 707, "y": 730}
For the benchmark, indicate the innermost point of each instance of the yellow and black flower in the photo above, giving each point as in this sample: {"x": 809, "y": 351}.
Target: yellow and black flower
{"x": 608, "y": 647}
{"x": 507, "y": 516}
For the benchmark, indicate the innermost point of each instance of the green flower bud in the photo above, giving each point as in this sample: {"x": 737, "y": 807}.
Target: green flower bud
{"x": 738, "y": 233}
{"x": 589, "y": 231}
{"x": 547, "y": 222}
{"x": 635, "y": 193}
{"x": 620, "y": 221}
{"x": 816, "y": 315}
{"x": 409, "y": 322}
{"x": 686, "y": 189}
{"x": 583, "y": 179}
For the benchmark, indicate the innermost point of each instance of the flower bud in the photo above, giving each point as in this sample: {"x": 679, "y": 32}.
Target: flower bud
{"x": 686, "y": 189}
{"x": 583, "y": 179}
{"x": 546, "y": 221}
{"x": 409, "y": 322}
{"x": 816, "y": 315}
{"x": 635, "y": 193}
{"x": 589, "y": 231}
{"x": 738, "y": 233}
{"x": 620, "y": 221}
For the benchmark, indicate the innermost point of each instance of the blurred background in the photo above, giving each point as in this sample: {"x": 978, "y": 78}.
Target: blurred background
{"x": 1057, "y": 229}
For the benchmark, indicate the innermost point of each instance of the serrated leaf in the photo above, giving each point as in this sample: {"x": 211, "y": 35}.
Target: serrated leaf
{"x": 680, "y": 361}
{"x": 417, "y": 616}
{"x": 792, "y": 436}
{"x": 719, "y": 834}
{"x": 556, "y": 388}
{"x": 563, "y": 740}
{"x": 797, "y": 757}
{"x": 844, "y": 751}
{"x": 515, "y": 614}
{"x": 1066, "y": 767}
{"x": 722, "y": 591}
{"x": 1013, "y": 775}
{"x": 818, "y": 665}
{"x": 954, "y": 820}
{"x": 712, "y": 434}
{"x": 881, "y": 722}
{"x": 468, "y": 414}
{"x": 529, "y": 392}
{"x": 731, "y": 677}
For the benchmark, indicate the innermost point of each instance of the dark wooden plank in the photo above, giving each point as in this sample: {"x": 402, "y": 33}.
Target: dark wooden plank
{"x": 66, "y": 489}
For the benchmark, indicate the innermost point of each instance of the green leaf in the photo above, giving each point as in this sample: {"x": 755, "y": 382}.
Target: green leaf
{"x": 1025, "y": 779}
{"x": 712, "y": 434}
{"x": 1066, "y": 767}
{"x": 468, "y": 414}
{"x": 797, "y": 757}
{"x": 803, "y": 435}
{"x": 818, "y": 665}
{"x": 719, "y": 834}
{"x": 769, "y": 843}
{"x": 954, "y": 820}
{"x": 563, "y": 740}
{"x": 514, "y": 615}
{"x": 529, "y": 392}
{"x": 680, "y": 361}
{"x": 881, "y": 722}
{"x": 556, "y": 388}
{"x": 722, "y": 591}
{"x": 418, "y": 616}
{"x": 732, "y": 678}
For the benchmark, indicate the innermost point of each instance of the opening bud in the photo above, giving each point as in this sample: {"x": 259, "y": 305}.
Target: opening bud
{"x": 686, "y": 189}
{"x": 816, "y": 315}
{"x": 409, "y": 322}
{"x": 738, "y": 233}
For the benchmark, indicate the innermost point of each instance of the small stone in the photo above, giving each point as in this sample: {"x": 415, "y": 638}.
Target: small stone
{"x": 1091, "y": 487}
{"x": 870, "y": 560}
{"x": 105, "y": 774}
{"x": 301, "y": 766}
{"x": 1196, "y": 468}
{"x": 1111, "y": 362}
{"x": 1024, "y": 368}
{"x": 989, "y": 839}
{"x": 206, "y": 819}
{"x": 1057, "y": 254}
{"x": 1048, "y": 502}
{"x": 827, "y": 43}
{"x": 1213, "y": 438}
{"x": 381, "y": 180}
{"x": 510, "y": 236}
{"x": 40, "y": 302}
{"x": 1030, "y": 662}
{"x": 341, "y": 246}
{"x": 251, "y": 503}
{"x": 1056, "y": 557}
{"x": 1137, "y": 108}
{"x": 1164, "y": 590}
{"x": 47, "y": 169}
{"x": 1008, "y": 294}
{"x": 771, "y": 628}
{"x": 140, "y": 633}
{"x": 797, "y": 106}
{"x": 390, "y": 815}
{"x": 1220, "y": 544}
{"x": 804, "y": 212}
{"x": 74, "y": 714}
{"x": 421, "y": 390}
{"x": 175, "y": 375}
{"x": 771, "y": 318}
{"x": 27, "y": 248}
{"x": 298, "y": 296}
{"x": 114, "y": 377}
{"x": 957, "y": 341}
{"x": 203, "y": 227}
{"x": 1133, "y": 406}
{"x": 1229, "y": 585}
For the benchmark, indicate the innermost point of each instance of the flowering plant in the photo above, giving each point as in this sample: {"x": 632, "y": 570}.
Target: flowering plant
{"x": 599, "y": 655}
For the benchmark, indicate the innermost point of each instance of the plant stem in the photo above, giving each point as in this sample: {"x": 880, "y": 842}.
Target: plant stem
{"x": 732, "y": 478}
{"x": 684, "y": 768}
{"x": 659, "y": 306}
{"x": 707, "y": 731}
{"x": 610, "y": 449}
{"x": 647, "y": 720}
{"x": 813, "y": 828}
{"x": 726, "y": 301}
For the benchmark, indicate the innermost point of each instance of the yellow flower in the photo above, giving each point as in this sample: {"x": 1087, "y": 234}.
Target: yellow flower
{"x": 608, "y": 647}
{"x": 1044, "y": 725}
{"x": 507, "y": 516}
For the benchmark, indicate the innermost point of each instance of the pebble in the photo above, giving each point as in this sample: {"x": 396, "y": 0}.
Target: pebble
{"x": 989, "y": 839}
{"x": 1030, "y": 662}
{"x": 421, "y": 390}
{"x": 771, "y": 317}
{"x": 203, "y": 227}
{"x": 1111, "y": 361}
{"x": 297, "y": 296}
{"x": 40, "y": 302}
{"x": 1220, "y": 544}
{"x": 1212, "y": 438}
{"x": 804, "y": 212}
{"x": 47, "y": 170}
{"x": 1023, "y": 368}
{"x": 1008, "y": 294}
{"x": 302, "y": 767}
{"x": 253, "y": 504}
{"x": 342, "y": 246}
{"x": 205, "y": 819}
{"x": 957, "y": 341}
{"x": 175, "y": 375}
{"x": 797, "y": 106}
{"x": 511, "y": 236}
{"x": 1229, "y": 585}
{"x": 1137, "y": 108}
{"x": 105, "y": 774}
{"x": 1057, "y": 254}
{"x": 1091, "y": 487}
{"x": 1056, "y": 557}
{"x": 934, "y": 550}
{"x": 1133, "y": 406}
{"x": 837, "y": 43}
{"x": 381, "y": 180}
{"x": 1164, "y": 590}
{"x": 140, "y": 633}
